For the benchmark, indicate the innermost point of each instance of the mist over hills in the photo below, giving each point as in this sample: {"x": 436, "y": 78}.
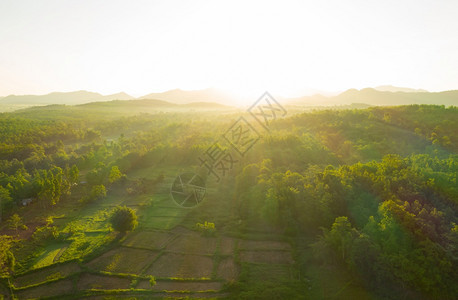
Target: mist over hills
{"x": 139, "y": 104}
{"x": 372, "y": 96}
{"x": 382, "y": 95}
{"x": 70, "y": 98}
{"x": 394, "y": 89}
{"x": 185, "y": 97}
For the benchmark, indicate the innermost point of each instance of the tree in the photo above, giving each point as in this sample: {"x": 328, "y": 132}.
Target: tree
{"x": 123, "y": 219}
{"x": 342, "y": 235}
{"x": 98, "y": 192}
{"x": 50, "y": 185}
{"x": 339, "y": 238}
{"x": 5, "y": 200}
{"x": 73, "y": 174}
{"x": 6, "y": 257}
{"x": 115, "y": 174}
{"x": 15, "y": 222}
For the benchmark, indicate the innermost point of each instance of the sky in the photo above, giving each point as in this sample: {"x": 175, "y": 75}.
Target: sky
{"x": 288, "y": 48}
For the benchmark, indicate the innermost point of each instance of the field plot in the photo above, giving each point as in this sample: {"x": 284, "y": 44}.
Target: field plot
{"x": 90, "y": 281}
{"x": 136, "y": 201}
{"x": 182, "y": 230}
{"x": 46, "y": 290}
{"x": 161, "y": 216}
{"x": 267, "y": 272}
{"x": 49, "y": 255}
{"x": 263, "y": 245}
{"x": 181, "y": 266}
{"x": 123, "y": 260}
{"x": 57, "y": 271}
{"x": 227, "y": 245}
{"x": 193, "y": 243}
{"x": 267, "y": 257}
{"x": 228, "y": 269}
{"x": 153, "y": 240}
{"x": 175, "y": 285}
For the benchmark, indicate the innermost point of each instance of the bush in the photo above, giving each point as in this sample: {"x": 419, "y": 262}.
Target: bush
{"x": 207, "y": 228}
{"x": 98, "y": 192}
{"x": 123, "y": 219}
{"x": 44, "y": 233}
{"x": 152, "y": 280}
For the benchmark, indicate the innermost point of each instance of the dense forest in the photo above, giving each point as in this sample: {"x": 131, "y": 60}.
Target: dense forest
{"x": 364, "y": 200}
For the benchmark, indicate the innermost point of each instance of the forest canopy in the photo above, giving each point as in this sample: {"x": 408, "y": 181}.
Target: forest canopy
{"x": 372, "y": 192}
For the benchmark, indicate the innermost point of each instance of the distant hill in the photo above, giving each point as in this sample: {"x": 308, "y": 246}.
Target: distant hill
{"x": 115, "y": 108}
{"x": 394, "y": 89}
{"x": 153, "y": 103}
{"x": 129, "y": 103}
{"x": 184, "y": 97}
{"x": 206, "y": 105}
{"x": 211, "y": 98}
{"x": 374, "y": 97}
{"x": 70, "y": 98}
{"x": 118, "y": 96}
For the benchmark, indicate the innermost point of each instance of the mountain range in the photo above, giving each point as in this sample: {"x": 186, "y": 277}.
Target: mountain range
{"x": 382, "y": 95}
{"x": 185, "y": 97}
{"x": 394, "y": 89}
{"x": 373, "y": 96}
{"x": 70, "y": 98}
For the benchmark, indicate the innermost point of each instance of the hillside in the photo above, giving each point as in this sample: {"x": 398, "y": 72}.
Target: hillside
{"x": 375, "y": 97}
{"x": 185, "y": 97}
{"x": 70, "y": 98}
{"x": 383, "y": 95}
{"x": 394, "y": 89}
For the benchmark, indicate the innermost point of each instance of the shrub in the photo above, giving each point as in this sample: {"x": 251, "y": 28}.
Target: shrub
{"x": 207, "y": 228}
{"x": 123, "y": 219}
{"x": 152, "y": 280}
{"x": 98, "y": 192}
{"x": 44, "y": 233}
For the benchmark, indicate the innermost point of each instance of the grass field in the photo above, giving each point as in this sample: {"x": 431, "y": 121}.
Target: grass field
{"x": 152, "y": 240}
{"x": 90, "y": 281}
{"x": 50, "y": 289}
{"x": 49, "y": 255}
{"x": 165, "y": 246}
{"x": 44, "y": 274}
{"x": 123, "y": 260}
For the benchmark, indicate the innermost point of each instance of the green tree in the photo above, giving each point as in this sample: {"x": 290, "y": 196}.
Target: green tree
{"x": 73, "y": 174}
{"x": 6, "y": 256}
{"x": 5, "y": 200}
{"x": 341, "y": 235}
{"x": 15, "y": 221}
{"x": 115, "y": 174}
{"x": 123, "y": 219}
{"x": 339, "y": 238}
{"x": 98, "y": 192}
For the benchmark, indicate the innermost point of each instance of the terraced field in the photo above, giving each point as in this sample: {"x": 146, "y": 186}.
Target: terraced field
{"x": 181, "y": 261}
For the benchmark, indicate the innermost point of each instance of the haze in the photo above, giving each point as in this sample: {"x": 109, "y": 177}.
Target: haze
{"x": 287, "y": 47}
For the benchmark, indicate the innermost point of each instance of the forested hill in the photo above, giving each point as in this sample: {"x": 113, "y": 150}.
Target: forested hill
{"x": 70, "y": 98}
{"x": 376, "y": 97}
{"x": 351, "y": 204}
{"x": 386, "y": 95}
{"x": 114, "y": 109}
